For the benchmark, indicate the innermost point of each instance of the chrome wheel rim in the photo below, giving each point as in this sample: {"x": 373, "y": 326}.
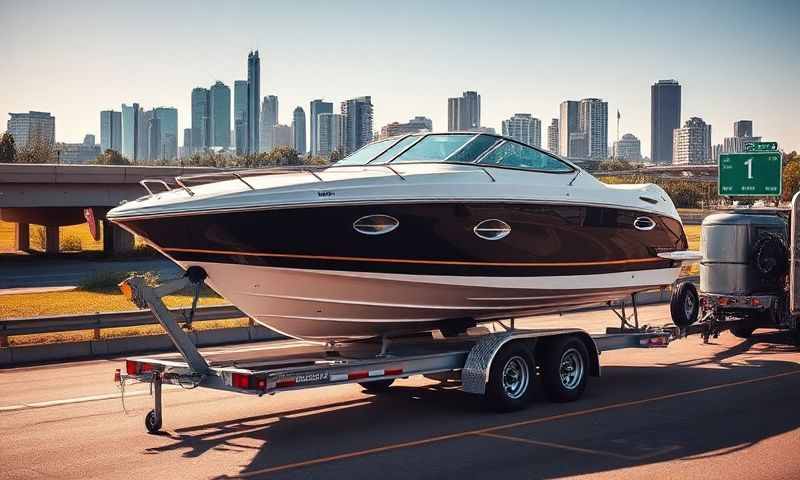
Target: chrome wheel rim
{"x": 688, "y": 306}
{"x": 571, "y": 369}
{"x": 515, "y": 377}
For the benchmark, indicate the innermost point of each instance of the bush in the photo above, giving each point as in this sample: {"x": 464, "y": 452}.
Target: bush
{"x": 71, "y": 243}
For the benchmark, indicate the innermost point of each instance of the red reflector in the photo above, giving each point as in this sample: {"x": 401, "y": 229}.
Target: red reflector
{"x": 146, "y": 367}
{"x": 240, "y": 380}
{"x": 393, "y": 371}
{"x": 727, "y": 301}
{"x": 262, "y": 384}
{"x": 117, "y": 377}
{"x": 755, "y": 301}
{"x": 131, "y": 367}
{"x": 357, "y": 375}
{"x": 286, "y": 382}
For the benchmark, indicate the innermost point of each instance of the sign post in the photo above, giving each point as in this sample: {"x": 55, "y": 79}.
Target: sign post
{"x": 757, "y": 173}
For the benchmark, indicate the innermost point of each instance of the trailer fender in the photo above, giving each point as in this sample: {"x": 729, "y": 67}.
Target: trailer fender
{"x": 475, "y": 374}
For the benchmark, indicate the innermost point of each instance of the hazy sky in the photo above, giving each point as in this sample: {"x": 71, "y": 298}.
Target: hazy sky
{"x": 734, "y": 59}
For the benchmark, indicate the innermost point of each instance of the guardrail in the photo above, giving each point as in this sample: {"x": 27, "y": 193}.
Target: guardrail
{"x": 99, "y": 321}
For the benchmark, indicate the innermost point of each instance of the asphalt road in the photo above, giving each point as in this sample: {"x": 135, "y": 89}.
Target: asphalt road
{"x": 22, "y": 271}
{"x": 725, "y": 410}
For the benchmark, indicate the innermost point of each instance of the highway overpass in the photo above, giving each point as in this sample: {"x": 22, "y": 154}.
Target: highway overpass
{"x": 56, "y": 195}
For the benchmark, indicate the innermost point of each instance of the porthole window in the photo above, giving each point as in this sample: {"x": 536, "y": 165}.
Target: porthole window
{"x": 375, "y": 224}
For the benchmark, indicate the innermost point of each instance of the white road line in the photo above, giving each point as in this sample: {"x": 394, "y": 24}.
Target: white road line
{"x": 69, "y": 401}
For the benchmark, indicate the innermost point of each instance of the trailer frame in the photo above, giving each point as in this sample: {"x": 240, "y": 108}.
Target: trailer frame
{"x": 279, "y": 366}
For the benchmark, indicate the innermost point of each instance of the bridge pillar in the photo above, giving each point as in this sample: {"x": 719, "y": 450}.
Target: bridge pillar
{"x": 51, "y": 239}
{"x": 22, "y": 237}
{"x": 115, "y": 239}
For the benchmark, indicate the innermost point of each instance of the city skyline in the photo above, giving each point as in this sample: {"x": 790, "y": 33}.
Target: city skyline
{"x": 717, "y": 86}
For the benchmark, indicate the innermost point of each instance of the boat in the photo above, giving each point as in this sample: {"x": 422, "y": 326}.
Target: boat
{"x": 413, "y": 233}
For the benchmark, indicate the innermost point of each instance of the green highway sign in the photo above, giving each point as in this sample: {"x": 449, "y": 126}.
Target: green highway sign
{"x": 753, "y": 174}
{"x": 761, "y": 146}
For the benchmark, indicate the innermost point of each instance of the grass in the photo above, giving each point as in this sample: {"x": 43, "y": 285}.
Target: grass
{"x": 71, "y": 238}
{"x": 98, "y": 294}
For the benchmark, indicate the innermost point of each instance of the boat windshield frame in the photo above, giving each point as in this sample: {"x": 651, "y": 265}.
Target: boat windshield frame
{"x": 500, "y": 141}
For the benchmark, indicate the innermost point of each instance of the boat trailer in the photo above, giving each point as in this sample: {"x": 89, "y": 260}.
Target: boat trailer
{"x": 501, "y": 365}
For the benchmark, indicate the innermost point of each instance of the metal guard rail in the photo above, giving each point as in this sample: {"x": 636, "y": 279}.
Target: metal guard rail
{"x": 97, "y": 321}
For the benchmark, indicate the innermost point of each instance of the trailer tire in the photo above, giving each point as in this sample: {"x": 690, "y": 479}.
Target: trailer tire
{"x": 564, "y": 368}
{"x": 377, "y": 386}
{"x": 745, "y": 331}
{"x": 152, "y": 422}
{"x": 511, "y": 378}
{"x": 684, "y": 305}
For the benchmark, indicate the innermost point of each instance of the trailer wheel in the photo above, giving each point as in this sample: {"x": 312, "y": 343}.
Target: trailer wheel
{"x": 684, "y": 305}
{"x": 377, "y": 386}
{"x": 564, "y": 368}
{"x": 152, "y": 422}
{"x": 742, "y": 331}
{"x": 510, "y": 378}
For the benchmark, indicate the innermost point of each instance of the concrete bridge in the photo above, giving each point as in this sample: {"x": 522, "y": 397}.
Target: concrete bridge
{"x": 57, "y": 195}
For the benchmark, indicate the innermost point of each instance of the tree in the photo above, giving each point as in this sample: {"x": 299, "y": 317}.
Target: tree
{"x": 335, "y": 156}
{"x": 614, "y": 165}
{"x": 111, "y": 157}
{"x": 38, "y": 150}
{"x": 8, "y": 149}
{"x": 315, "y": 160}
{"x": 791, "y": 176}
{"x": 206, "y": 158}
{"x": 283, "y": 155}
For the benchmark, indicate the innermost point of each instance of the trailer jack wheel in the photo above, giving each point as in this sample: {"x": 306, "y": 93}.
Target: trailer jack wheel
{"x": 152, "y": 421}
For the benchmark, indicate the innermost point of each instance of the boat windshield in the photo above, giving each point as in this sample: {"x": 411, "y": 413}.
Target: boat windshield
{"x": 481, "y": 149}
{"x": 363, "y": 155}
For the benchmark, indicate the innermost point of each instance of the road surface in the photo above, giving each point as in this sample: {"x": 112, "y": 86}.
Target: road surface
{"x": 725, "y": 410}
{"x": 22, "y": 271}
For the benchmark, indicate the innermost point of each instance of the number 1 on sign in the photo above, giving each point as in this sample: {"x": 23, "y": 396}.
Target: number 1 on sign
{"x": 749, "y": 164}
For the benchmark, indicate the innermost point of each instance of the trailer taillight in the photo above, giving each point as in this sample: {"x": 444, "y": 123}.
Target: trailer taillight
{"x": 240, "y": 380}
{"x": 132, "y": 367}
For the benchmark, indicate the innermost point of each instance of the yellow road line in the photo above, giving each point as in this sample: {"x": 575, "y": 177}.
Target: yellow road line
{"x": 482, "y": 431}
{"x": 561, "y": 446}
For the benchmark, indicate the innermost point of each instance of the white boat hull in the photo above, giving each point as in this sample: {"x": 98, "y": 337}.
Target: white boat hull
{"x": 328, "y": 305}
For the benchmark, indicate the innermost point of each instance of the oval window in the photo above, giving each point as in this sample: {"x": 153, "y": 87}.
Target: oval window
{"x": 644, "y": 223}
{"x": 492, "y": 229}
{"x": 375, "y": 224}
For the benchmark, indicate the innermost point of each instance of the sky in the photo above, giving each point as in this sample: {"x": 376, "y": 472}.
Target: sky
{"x": 735, "y": 59}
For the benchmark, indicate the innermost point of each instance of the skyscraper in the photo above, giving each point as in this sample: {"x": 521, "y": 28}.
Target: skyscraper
{"x": 168, "y": 124}
{"x": 143, "y": 145}
{"x": 269, "y": 118}
{"x": 253, "y": 105}
{"x": 281, "y": 136}
{"x": 154, "y": 146}
{"x": 743, "y": 128}
{"x": 628, "y": 148}
{"x": 552, "y": 136}
{"x": 27, "y": 127}
{"x": 240, "y": 115}
{"x": 110, "y": 130}
{"x": 569, "y": 123}
{"x": 316, "y": 108}
{"x": 220, "y": 114}
{"x": 692, "y": 143}
{"x": 186, "y": 150}
{"x": 464, "y": 112}
{"x": 330, "y": 133}
{"x": 299, "y": 130}
{"x": 130, "y": 131}
{"x": 200, "y": 119}
{"x": 524, "y": 128}
{"x": 358, "y": 122}
{"x": 594, "y": 122}
{"x": 415, "y": 125}
{"x": 665, "y": 116}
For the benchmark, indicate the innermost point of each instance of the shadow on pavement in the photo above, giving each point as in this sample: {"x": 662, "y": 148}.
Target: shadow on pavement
{"x": 632, "y": 416}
